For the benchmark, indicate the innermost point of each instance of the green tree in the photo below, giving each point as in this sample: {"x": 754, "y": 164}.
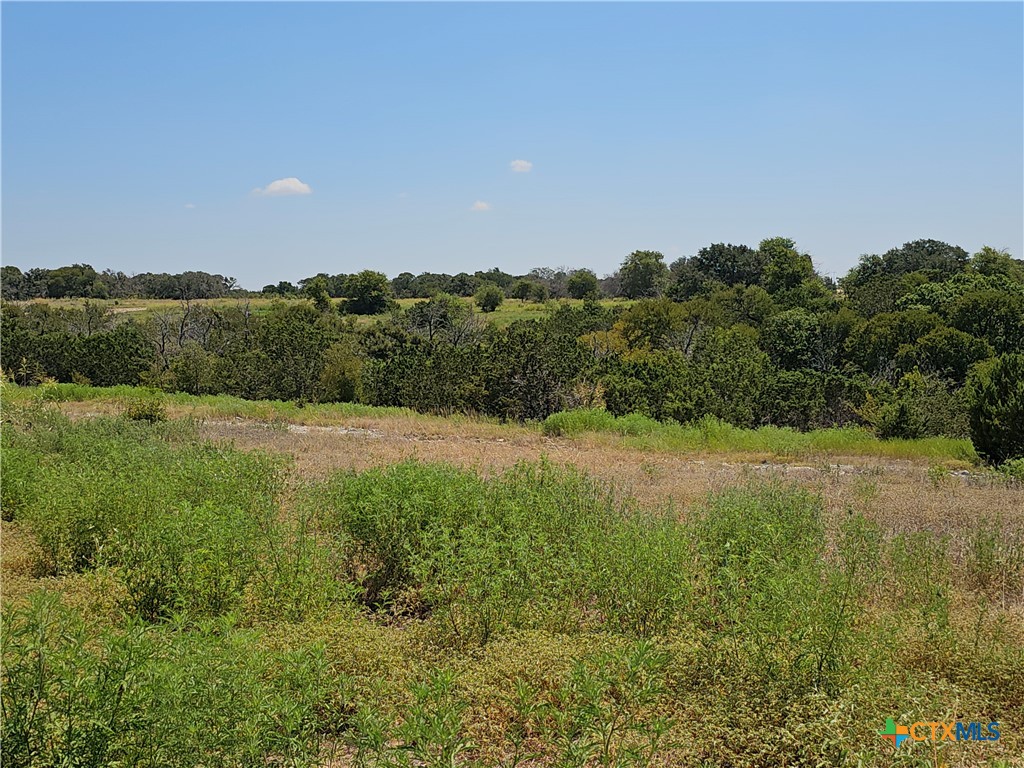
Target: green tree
{"x": 341, "y": 372}
{"x": 919, "y": 406}
{"x": 368, "y": 293}
{"x": 656, "y": 383}
{"x": 654, "y": 324}
{"x": 731, "y": 264}
{"x": 785, "y": 268}
{"x": 13, "y": 285}
{"x": 989, "y": 261}
{"x": 442, "y": 316}
{"x": 792, "y": 339}
{"x": 735, "y": 374}
{"x": 874, "y": 345}
{"x": 522, "y": 290}
{"x": 643, "y": 275}
{"x": 489, "y": 297}
{"x": 935, "y": 259}
{"x": 742, "y": 304}
{"x": 686, "y": 280}
{"x": 996, "y": 316}
{"x": 945, "y": 352}
{"x": 582, "y": 284}
{"x": 316, "y": 290}
{"x": 531, "y": 370}
{"x": 75, "y": 280}
{"x": 293, "y": 342}
{"x": 995, "y": 397}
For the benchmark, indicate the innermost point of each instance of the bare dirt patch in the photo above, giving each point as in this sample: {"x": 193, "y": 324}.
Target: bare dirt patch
{"x": 900, "y": 495}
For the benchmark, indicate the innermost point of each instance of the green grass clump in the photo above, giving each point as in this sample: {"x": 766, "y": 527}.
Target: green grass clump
{"x": 143, "y": 695}
{"x": 538, "y": 546}
{"x": 768, "y": 594}
{"x": 709, "y": 434}
{"x": 81, "y": 485}
{"x": 186, "y": 526}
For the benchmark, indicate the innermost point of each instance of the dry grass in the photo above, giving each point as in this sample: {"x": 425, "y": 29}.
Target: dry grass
{"x": 899, "y": 495}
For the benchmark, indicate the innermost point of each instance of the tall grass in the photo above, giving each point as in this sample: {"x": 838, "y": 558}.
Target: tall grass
{"x": 421, "y": 614}
{"x": 154, "y": 695}
{"x": 83, "y": 485}
{"x": 539, "y": 546}
{"x": 185, "y": 525}
{"x": 714, "y": 436}
{"x": 707, "y": 435}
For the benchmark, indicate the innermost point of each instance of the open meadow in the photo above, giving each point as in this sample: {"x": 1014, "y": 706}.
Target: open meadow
{"x": 205, "y": 580}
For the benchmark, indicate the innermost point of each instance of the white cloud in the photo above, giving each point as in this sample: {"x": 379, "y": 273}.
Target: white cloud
{"x": 281, "y": 187}
{"x": 521, "y": 166}
{"x": 190, "y": 205}
{"x": 480, "y": 205}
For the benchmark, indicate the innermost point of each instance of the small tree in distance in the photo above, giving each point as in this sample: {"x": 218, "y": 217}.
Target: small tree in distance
{"x": 522, "y": 290}
{"x": 582, "y": 284}
{"x": 644, "y": 275}
{"x": 489, "y": 297}
{"x": 367, "y": 293}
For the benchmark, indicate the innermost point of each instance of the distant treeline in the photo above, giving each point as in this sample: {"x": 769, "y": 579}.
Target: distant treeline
{"x": 749, "y": 335}
{"x": 81, "y": 281}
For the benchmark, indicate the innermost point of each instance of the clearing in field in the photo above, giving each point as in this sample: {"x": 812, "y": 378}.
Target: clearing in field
{"x": 359, "y": 586}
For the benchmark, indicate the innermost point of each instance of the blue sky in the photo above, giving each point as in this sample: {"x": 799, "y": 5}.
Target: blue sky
{"x": 136, "y": 135}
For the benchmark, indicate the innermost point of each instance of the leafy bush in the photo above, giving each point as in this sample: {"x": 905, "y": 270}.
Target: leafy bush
{"x": 145, "y": 410}
{"x": 995, "y": 393}
{"x": 771, "y": 599}
{"x": 75, "y": 695}
{"x": 489, "y": 297}
{"x": 195, "y": 559}
{"x": 537, "y": 546}
{"x": 96, "y": 478}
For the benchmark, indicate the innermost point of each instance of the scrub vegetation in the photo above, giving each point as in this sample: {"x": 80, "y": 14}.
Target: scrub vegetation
{"x": 723, "y": 512}
{"x": 175, "y": 598}
{"x": 924, "y": 341}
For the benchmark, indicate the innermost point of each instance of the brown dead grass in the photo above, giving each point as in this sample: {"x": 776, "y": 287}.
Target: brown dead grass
{"x": 900, "y": 496}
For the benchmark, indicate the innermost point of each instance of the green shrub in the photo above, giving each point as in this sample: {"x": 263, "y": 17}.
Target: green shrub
{"x": 194, "y": 559}
{"x": 97, "y": 477}
{"x": 1013, "y": 469}
{"x": 489, "y": 297}
{"x": 775, "y": 606}
{"x": 995, "y": 393}
{"x": 607, "y": 711}
{"x": 536, "y": 546}
{"x": 150, "y": 410}
{"x": 77, "y": 695}
{"x": 569, "y": 423}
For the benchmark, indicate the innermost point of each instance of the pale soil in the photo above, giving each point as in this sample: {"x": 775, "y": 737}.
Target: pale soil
{"x": 899, "y": 495}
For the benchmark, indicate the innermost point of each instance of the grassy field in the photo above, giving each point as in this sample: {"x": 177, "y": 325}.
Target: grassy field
{"x": 256, "y": 583}
{"x": 510, "y": 311}
{"x": 640, "y": 433}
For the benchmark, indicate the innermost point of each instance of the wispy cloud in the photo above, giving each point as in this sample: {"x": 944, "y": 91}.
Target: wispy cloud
{"x": 282, "y": 187}
{"x": 521, "y": 166}
{"x": 480, "y": 205}
{"x": 190, "y": 205}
